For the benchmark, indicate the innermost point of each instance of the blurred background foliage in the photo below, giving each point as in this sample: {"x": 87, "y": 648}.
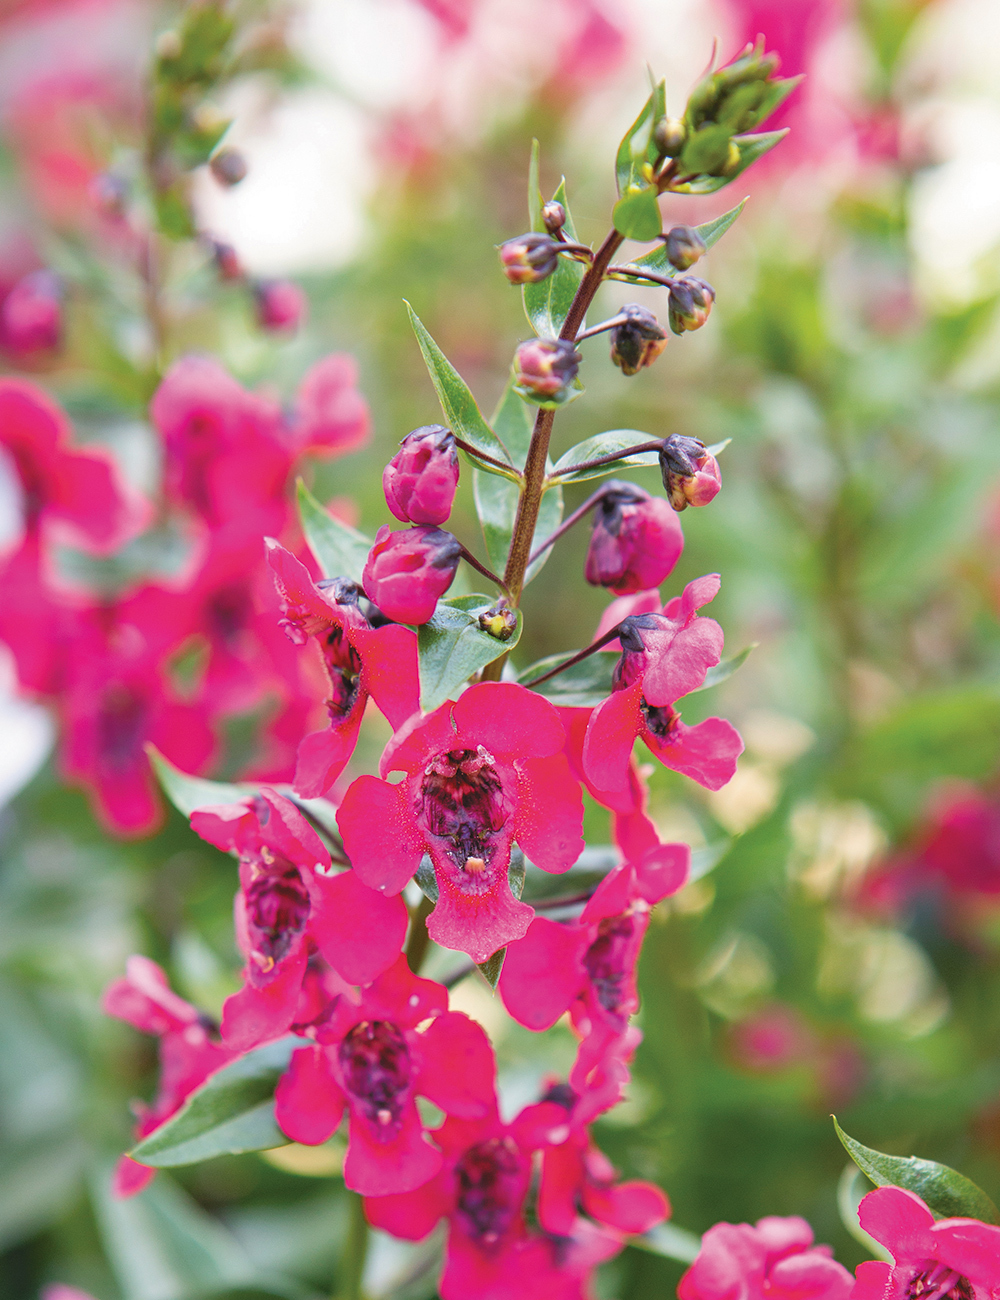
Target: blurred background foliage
{"x": 852, "y": 359}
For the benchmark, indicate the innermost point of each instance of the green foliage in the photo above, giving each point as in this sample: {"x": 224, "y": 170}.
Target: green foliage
{"x": 638, "y": 151}
{"x": 452, "y": 646}
{"x": 750, "y": 149}
{"x": 604, "y": 444}
{"x": 710, "y": 231}
{"x": 340, "y": 550}
{"x": 547, "y": 303}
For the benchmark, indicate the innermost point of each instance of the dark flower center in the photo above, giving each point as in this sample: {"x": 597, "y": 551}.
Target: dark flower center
{"x": 659, "y": 719}
{"x": 377, "y": 1069}
{"x": 121, "y": 725}
{"x": 932, "y": 1280}
{"x": 608, "y": 958}
{"x": 461, "y": 801}
{"x": 488, "y": 1177}
{"x": 277, "y": 909}
{"x": 344, "y": 668}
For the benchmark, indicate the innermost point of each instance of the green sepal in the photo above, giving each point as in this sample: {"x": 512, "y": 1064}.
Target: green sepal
{"x": 604, "y": 444}
{"x": 461, "y": 413}
{"x": 710, "y": 231}
{"x": 340, "y": 550}
{"x": 547, "y": 303}
{"x": 188, "y": 793}
{"x": 751, "y": 148}
{"x": 232, "y": 1112}
{"x": 569, "y": 394}
{"x": 452, "y": 646}
{"x": 947, "y": 1193}
{"x": 637, "y": 214}
{"x": 492, "y": 967}
{"x": 638, "y": 150}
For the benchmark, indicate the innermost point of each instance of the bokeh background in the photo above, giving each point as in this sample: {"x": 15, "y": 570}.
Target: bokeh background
{"x": 843, "y": 952}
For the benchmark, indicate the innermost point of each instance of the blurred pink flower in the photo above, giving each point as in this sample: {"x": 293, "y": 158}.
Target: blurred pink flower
{"x": 772, "y": 1260}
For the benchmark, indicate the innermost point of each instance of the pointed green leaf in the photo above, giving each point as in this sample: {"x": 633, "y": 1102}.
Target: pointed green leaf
{"x": 637, "y": 214}
{"x": 547, "y": 303}
{"x": 724, "y": 670}
{"x": 187, "y": 793}
{"x": 340, "y": 550}
{"x": 584, "y": 686}
{"x": 492, "y": 967}
{"x": 710, "y": 231}
{"x": 604, "y": 444}
{"x": 637, "y": 147}
{"x": 670, "y": 1241}
{"x": 947, "y": 1193}
{"x": 461, "y": 413}
{"x": 452, "y": 646}
{"x": 751, "y": 148}
{"x": 232, "y": 1112}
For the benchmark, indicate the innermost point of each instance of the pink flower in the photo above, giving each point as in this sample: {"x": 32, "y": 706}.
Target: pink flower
{"x": 281, "y": 305}
{"x": 775, "y": 1259}
{"x": 420, "y": 480}
{"x": 288, "y": 906}
{"x": 664, "y": 656}
{"x": 330, "y": 415}
{"x": 636, "y": 541}
{"x": 60, "y": 1291}
{"x": 189, "y": 1052}
{"x": 31, "y": 314}
{"x": 359, "y": 661}
{"x": 546, "y": 368}
{"x": 370, "y": 1058}
{"x": 479, "y": 774}
{"x": 406, "y": 572}
{"x": 689, "y": 471}
{"x": 944, "y": 1257}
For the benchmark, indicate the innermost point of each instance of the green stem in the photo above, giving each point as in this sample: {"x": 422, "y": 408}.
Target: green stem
{"x": 416, "y": 943}
{"x": 653, "y": 445}
{"x": 352, "y": 1268}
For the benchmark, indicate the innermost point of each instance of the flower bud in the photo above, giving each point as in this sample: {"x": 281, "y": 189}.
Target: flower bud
{"x": 406, "y": 572}
{"x": 281, "y": 305}
{"x": 636, "y": 541}
{"x": 227, "y": 262}
{"x": 228, "y": 166}
{"x": 637, "y": 342}
{"x": 684, "y": 247}
{"x": 529, "y": 258}
{"x": 690, "y": 303}
{"x": 420, "y": 480}
{"x": 690, "y": 472}
{"x": 545, "y": 368}
{"x": 554, "y": 216}
{"x": 727, "y": 102}
{"x": 669, "y": 135}
{"x": 31, "y": 315}
{"x": 499, "y": 622}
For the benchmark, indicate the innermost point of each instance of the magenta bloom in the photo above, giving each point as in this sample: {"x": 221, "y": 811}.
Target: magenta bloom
{"x": 420, "y": 480}
{"x": 189, "y": 1052}
{"x": 941, "y": 1258}
{"x": 479, "y": 774}
{"x": 636, "y": 541}
{"x": 406, "y": 572}
{"x": 664, "y": 656}
{"x": 359, "y": 661}
{"x": 31, "y": 314}
{"x": 370, "y": 1058}
{"x": 281, "y": 305}
{"x": 576, "y": 1173}
{"x": 290, "y": 905}
{"x": 775, "y": 1259}
{"x": 330, "y": 415}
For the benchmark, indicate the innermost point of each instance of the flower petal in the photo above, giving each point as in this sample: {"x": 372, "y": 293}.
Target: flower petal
{"x": 630, "y": 1207}
{"x": 611, "y": 734}
{"x": 411, "y": 1215}
{"x": 389, "y": 670}
{"x": 509, "y": 719}
{"x": 359, "y": 930}
{"x": 458, "y": 1066}
{"x": 542, "y": 973}
{"x": 323, "y": 755}
{"x": 707, "y": 753}
{"x": 254, "y": 1015}
{"x": 899, "y": 1220}
{"x": 548, "y": 820}
{"x": 380, "y": 834}
{"x": 308, "y": 1103}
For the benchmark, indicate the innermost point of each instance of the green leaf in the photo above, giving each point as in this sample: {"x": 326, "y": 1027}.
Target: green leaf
{"x": 725, "y": 669}
{"x": 751, "y": 148}
{"x": 340, "y": 550}
{"x": 604, "y": 444}
{"x": 670, "y": 1241}
{"x": 710, "y": 231}
{"x": 426, "y": 879}
{"x": 584, "y": 686}
{"x": 187, "y": 793}
{"x": 947, "y": 1193}
{"x": 637, "y": 147}
{"x": 492, "y": 967}
{"x": 461, "y": 413}
{"x": 637, "y": 214}
{"x": 547, "y": 303}
{"x": 452, "y": 646}
{"x": 232, "y": 1112}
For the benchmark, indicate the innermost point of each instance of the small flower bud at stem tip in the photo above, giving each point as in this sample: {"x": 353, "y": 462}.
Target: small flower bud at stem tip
{"x": 638, "y": 341}
{"x": 684, "y": 247}
{"x": 228, "y": 166}
{"x": 554, "y": 217}
{"x": 529, "y": 258}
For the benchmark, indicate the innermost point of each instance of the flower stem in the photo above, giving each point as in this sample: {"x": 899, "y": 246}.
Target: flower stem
{"x": 654, "y": 445}
{"x": 352, "y": 1267}
{"x": 418, "y": 938}
{"x": 640, "y": 272}
{"x": 469, "y": 450}
{"x": 469, "y": 558}
{"x": 568, "y": 523}
{"x": 577, "y": 658}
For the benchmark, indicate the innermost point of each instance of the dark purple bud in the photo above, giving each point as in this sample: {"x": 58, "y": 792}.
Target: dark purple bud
{"x": 31, "y": 315}
{"x": 684, "y": 247}
{"x": 228, "y": 166}
{"x": 690, "y": 303}
{"x": 529, "y": 258}
{"x": 554, "y": 217}
{"x": 636, "y": 542}
{"x": 690, "y": 472}
{"x": 420, "y": 480}
{"x": 639, "y": 341}
{"x": 545, "y": 368}
{"x": 281, "y": 305}
{"x": 406, "y": 572}
{"x": 227, "y": 263}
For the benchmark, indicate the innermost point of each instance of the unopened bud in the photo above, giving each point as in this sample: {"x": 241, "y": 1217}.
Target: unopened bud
{"x": 669, "y": 135}
{"x": 529, "y": 258}
{"x": 109, "y": 195}
{"x": 31, "y": 315}
{"x": 638, "y": 341}
{"x": 684, "y": 247}
{"x": 554, "y": 216}
{"x": 730, "y": 101}
{"x": 500, "y": 622}
{"x": 636, "y": 541}
{"x": 690, "y": 303}
{"x": 690, "y": 472}
{"x": 281, "y": 305}
{"x": 420, "y": 480}
{"x": 228, "y": 166}
{"x": 227, "y": 263}
{"x": 406, "y": 572}
{"x": 545, "y": 368}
